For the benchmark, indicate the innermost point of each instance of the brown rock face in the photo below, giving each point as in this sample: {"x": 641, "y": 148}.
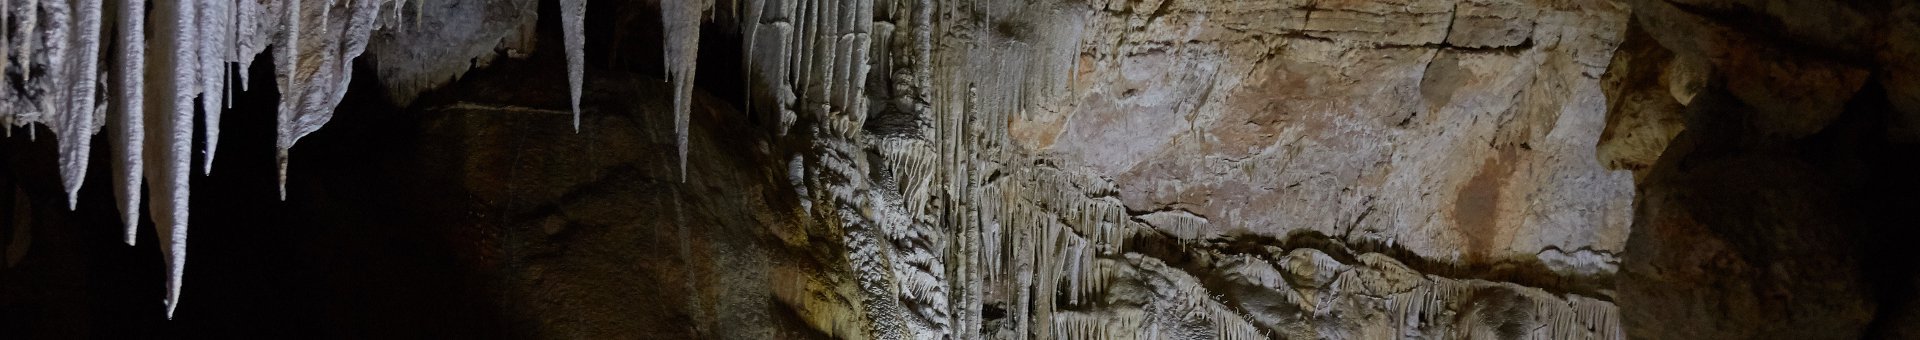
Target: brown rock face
{"x": 1477, "y": 210}
{"x": 1773, "y": 214}
{"x": 1360, "y": 120}
{"x": 1742, "y": 234}
{"x": 1647, "y": 93}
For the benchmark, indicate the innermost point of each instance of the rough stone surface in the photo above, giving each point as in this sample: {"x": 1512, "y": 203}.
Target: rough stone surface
{"x": 1774, "y": 213}
{"x": 1477, "y": 151}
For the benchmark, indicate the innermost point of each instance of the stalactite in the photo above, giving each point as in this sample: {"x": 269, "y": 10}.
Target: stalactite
{"x": 573, "y": 22}
{"x": 911, "y": 161}
{"x": 127, "y": 127}
{"x": 751, "y": 12}
{"x": 214, "y": 31}
{"x": 992, "y": 233}
{"x": 1311, "y": 267}
{"x": 29, "y": 22}
{"x": 770, "y": 35}
{"x": 681, "y": 19}
{"x": 1179, "y": 294}
{"x": 247, "y": 38}
{"x": 1121, "y": 324}
{"x": 78, "y": 109}
{"x": 171, "y": 75}
{"x": 1250, "y": 269}
{"x": 287, "y": 59}
{"x": 6, "y": 48}
{"x": 313, "y": 81}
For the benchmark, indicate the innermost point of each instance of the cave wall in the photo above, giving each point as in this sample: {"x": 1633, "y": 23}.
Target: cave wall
{"x": 1257, "y": 144}
{"x": 1008, "y": 169}
{"x": 1775, "y": 208}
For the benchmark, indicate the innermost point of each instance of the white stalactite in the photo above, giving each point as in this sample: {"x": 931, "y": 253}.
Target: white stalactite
{"x": 81, "y": 77}
{"x": 29, "y": 23}
{"x": 286, "y": 58}
{"x": 681, "y": 19}
{"x": 125, "y": 113}
{"x": 173, "y": 76}
{"x": 214, "y": 30}
{"x": 247, "y": 38}
{"x": 573, "y": 21}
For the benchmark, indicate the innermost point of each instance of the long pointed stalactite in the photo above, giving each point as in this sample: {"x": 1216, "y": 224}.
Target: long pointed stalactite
{"x": 681, "y": 21}
{"x": 172, "y": 75}
{"x": 573, "y": 20}
{"x": 81, "y": 73}
{"x": 214, "y": 30}
{"x": 126, "y": 127}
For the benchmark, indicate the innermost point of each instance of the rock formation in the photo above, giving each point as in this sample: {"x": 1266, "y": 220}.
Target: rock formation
{"x": 1776, "y": 209}
{"x": 1018, "y": 169}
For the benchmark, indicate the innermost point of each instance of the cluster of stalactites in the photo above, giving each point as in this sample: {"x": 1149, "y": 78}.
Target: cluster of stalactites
{"x": 147, "y": 101}
{"x": 1181, "y": 301}
{"x": 1047, "y": 229}
{"x": 809, "y": 57}
{"x": 1037, "y": 236}
{"x": 1116, "y": 324}
{"x": 143, "y": 69}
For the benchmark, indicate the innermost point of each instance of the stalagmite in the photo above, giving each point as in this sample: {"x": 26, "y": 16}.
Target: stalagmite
{"x": 573, "y": 22}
